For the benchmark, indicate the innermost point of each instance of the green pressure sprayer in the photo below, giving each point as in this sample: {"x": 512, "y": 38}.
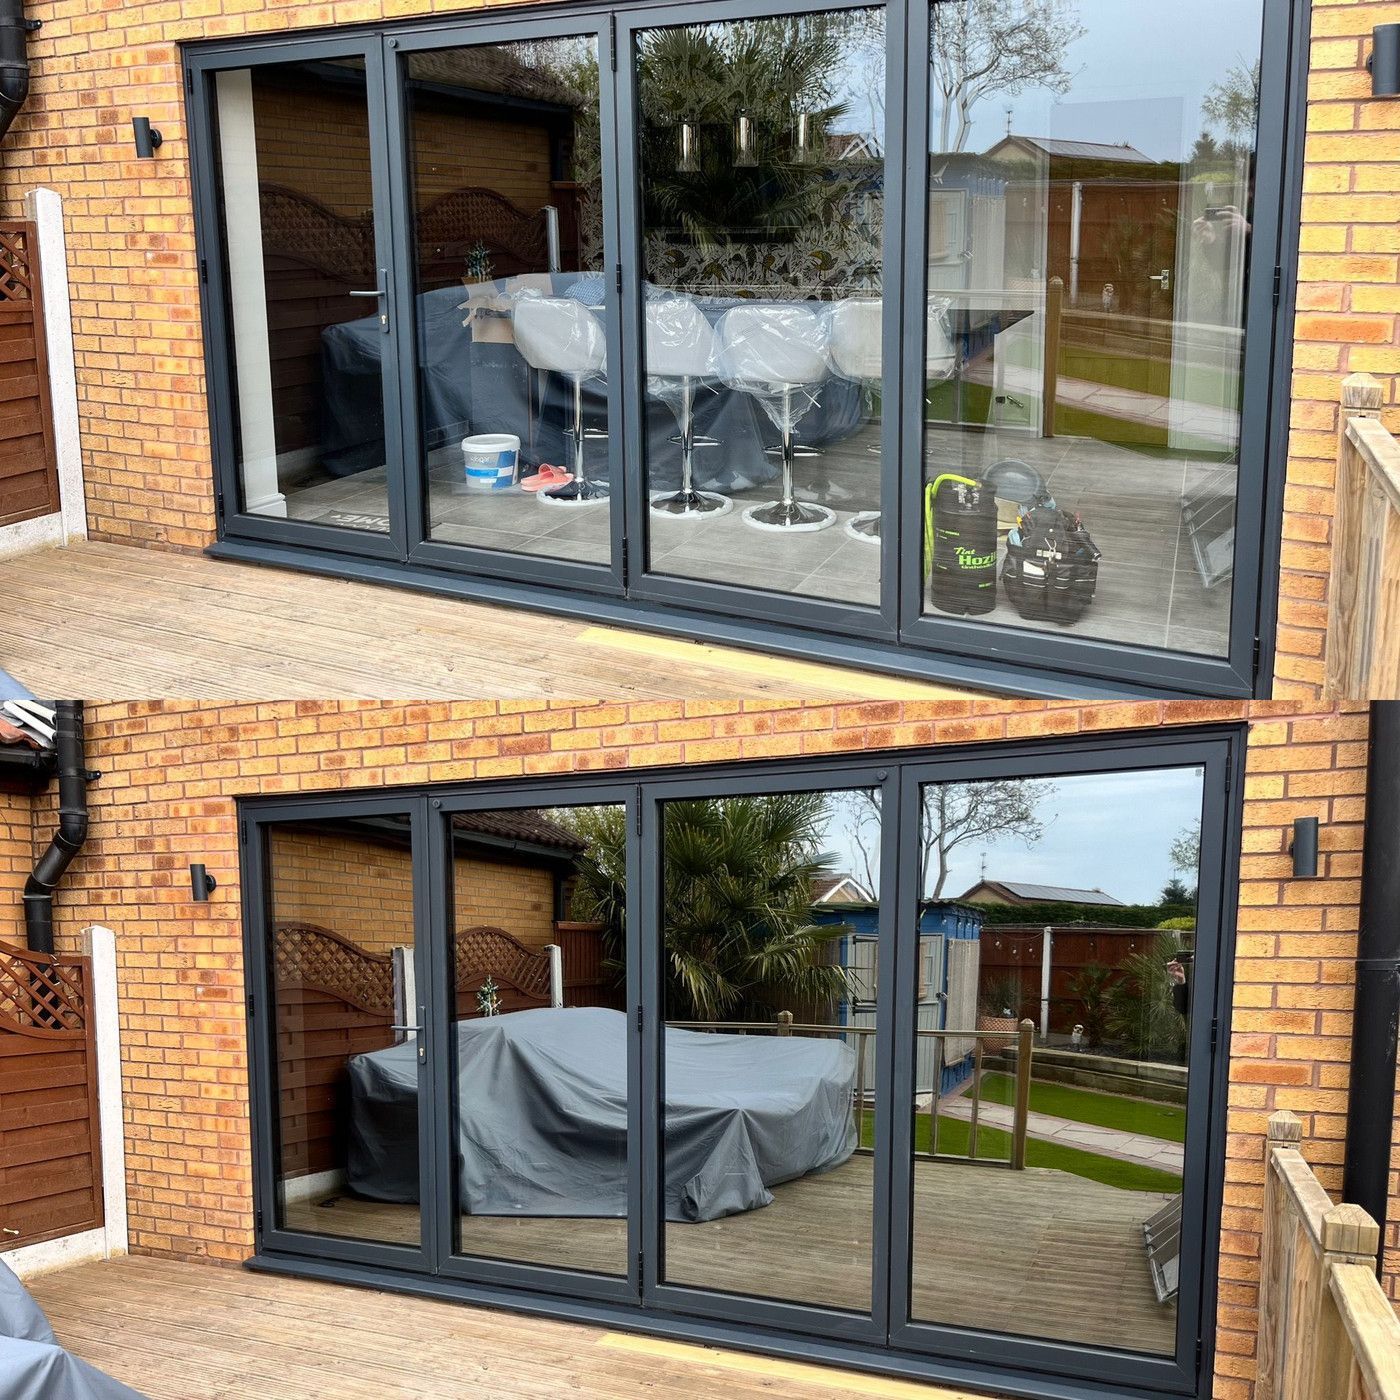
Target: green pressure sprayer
{"x": 960, "y": 544}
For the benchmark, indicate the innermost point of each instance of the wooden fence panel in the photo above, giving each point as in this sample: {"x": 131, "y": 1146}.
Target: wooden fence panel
{"x": 28, "y": 462}
{"x": 50, "y": 1145}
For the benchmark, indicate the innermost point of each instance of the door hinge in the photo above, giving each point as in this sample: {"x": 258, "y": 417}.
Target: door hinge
{"x": 1214, "y": 1034}
{"x": 189, "y": 79}
{"x": 639, "y": 1019}
{"x": 617, "y": 278}
{"x": 626, "y": 566}
{"x": 612, "y": 42}
{"x": 250, "y": 1003}
{"x": 641, "y": 1260}
{"x": 1258, "y": 654}
{"x": 637, "y": 812}
{"x": 243, "y": 830}
{"x": 260, "y": 1222}
{"x": 204, "y": 271}
{"x": 1200, "y": 1353}
{"x": 1278, "y": 283}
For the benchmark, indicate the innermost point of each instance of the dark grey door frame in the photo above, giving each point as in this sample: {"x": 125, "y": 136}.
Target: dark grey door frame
{"x": 271, "y": 1234}
{"x": 1023, "y": 1366}
{"x": 201, "y": 66}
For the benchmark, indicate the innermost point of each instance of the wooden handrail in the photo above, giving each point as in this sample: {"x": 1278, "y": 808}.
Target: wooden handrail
{"x": 1326, "y": 1329}
{"x": 1363, "y": 625}
{"x": 783, "y": 1024}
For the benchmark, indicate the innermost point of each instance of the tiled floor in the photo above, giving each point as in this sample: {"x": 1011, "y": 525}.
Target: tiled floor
{"x": 1149, "y": 591}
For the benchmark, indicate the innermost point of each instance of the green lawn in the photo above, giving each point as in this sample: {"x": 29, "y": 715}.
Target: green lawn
{"x": 1158, "y": 1120}
{"x": 953, "y": 1135}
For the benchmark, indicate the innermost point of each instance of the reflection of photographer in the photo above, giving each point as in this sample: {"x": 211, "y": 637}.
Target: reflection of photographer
{"x": 1222, "y": 226}
{"x": 1181, "y": 969}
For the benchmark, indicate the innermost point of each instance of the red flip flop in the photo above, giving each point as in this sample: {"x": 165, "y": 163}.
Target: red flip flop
{"x": 546, "y": 478}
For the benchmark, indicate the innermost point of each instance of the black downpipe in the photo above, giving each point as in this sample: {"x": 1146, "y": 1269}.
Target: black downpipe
{"x": 1376, "y": 1017}
{"x": 72, "y": 826}
{"x": 14, "y": 60}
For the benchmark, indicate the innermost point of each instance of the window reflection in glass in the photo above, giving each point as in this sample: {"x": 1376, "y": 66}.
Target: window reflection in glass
{"x": 1058, "y": 934}
{"x": 341, "y": 959}
{"x": 770, "y": 963}
{"x": 1090, "y": 191}
{"x": 297, "y": 213}
{"x": 510, "y": 299}
{"x": 539, "y": 1038}
{"x": 762, "y": 180}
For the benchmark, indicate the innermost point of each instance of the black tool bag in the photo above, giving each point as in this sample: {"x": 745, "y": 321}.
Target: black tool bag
{"x": 961, "y": 525}
{"x": 1052, "y": 564}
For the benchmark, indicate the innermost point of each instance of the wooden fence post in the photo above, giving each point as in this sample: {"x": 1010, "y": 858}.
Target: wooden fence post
{"x": 1285, "y": 1130}
{"x": 1349, "y": 1236}
{"x": 1347, "y": 611}
{"x": 1054, "y": 310}
{"x": 1024, "y": 1051}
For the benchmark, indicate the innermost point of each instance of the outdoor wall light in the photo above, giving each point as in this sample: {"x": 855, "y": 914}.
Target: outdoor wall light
{"x": 148, "y": 139}
{"x": 687, "y": 149}
{"x": 1384, "y": 62}
{"x": 1304, "y": 848}
{"x": 744, "y": 153}
{"x": 202, "y": 884}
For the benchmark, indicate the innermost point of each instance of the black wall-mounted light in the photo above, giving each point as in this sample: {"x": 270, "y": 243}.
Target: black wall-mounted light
{"x": 1384, "y": 62}
{"x": 1304, "y": 848}
{"x": 202, "y": 884}
{"x": 148, "y": 139}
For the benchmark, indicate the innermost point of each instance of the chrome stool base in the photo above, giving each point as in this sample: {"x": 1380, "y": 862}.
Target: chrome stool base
{"x": 691, "y": 505}
{"x": 794, "y": 516}
{"x": 865, "y": 527}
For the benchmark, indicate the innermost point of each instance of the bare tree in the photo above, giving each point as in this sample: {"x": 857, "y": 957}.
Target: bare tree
{"x": 1003, "y": 46}
{"x": 955, "y": 813}
{"x": 1233, "y": 103}
{"x": 1185, "y": 853}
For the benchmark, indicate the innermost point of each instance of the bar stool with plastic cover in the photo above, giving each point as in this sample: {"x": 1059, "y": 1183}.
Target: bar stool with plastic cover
{"x": 563, "y": 336}
{"x": 857, "y": 339}
{"x": 679, "y": 357}
{"x": 777, "y": 353}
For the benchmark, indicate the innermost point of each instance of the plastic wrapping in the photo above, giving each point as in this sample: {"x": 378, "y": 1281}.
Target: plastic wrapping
{"x": 940, "y": 345}
{"x": 680, "y": 348}
{"x": 542, "y": 1116}
{"x": 857, "y": 329}
{"x": 779, "y": 352}
{"x": 559, "y": 333}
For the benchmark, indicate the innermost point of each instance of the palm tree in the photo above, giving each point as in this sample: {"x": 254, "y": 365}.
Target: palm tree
{"x": 737, "y": 876}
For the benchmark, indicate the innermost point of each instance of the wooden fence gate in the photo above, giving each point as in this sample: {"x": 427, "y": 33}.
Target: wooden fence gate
{"x": 50, "y": 1145}
{"x": 28, "y": 463}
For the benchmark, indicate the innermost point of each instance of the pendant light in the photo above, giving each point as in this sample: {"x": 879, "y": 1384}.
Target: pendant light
{"x": 745, "y": 156}
{"x": 687, "y": 148}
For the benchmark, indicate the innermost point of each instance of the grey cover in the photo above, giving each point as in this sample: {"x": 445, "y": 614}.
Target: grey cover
{"x": 32, "y": 1364}
{"x": 469, "y": 386}
{"x": 43, "y": 1371}
{"x": 542, "y": 1121}
{"x": 20, "y": 1316}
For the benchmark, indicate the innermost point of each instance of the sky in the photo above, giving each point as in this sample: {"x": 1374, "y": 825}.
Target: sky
{"x": 1140, "y": 72}
{"x": 1110, "y": 831}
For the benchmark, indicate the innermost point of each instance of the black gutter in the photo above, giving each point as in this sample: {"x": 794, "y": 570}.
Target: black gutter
{"x": 1376, "y": 1014}
{"x": 72, "y": 826}
{"x": 14, "y": 60}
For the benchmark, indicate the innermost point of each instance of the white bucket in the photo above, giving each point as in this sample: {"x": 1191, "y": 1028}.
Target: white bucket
{"x": 490, "y": 461}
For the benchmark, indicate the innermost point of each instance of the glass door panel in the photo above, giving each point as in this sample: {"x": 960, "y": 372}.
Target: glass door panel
{"x": 348, "y": 1056}
{"x": 769, "y": 964}
{"x": 513, "y": 298}
{"x": 308, "y": 318}
{"x": 539, "y": 1058}
{"x": 761, "y": 188}
{"x": 1049, "y": 1105}
{"x": 1089, "y": 218}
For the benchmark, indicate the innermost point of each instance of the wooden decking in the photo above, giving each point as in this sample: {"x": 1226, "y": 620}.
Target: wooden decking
{"x": 1032, "y": 1253}
{"x": 196, "y": 1332}
{"x": 125, "y": 623}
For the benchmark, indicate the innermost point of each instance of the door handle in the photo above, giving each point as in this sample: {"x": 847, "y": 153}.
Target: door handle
{"x": 7, "y": 1231}
{"x": 381, "y": 294}
{"x": 420, "y": 1031}
{"x": 1164, "y": 277}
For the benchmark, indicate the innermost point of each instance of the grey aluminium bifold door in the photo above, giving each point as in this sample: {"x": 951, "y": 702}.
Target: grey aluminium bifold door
{"x": 1058, "y": 1260}
{"x": 336, "y": 895}
{"x": 766, "y": 1056}
{"x": 305, "y": 402}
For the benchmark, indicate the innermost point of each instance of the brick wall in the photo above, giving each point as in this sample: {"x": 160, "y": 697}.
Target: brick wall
{"x": 16, "y": 861}
{"x": 136, "y": 317}
{"x": 363, "y": 891}
{"x": 171, "y": 771}
{"x": 1348, "y": 317}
